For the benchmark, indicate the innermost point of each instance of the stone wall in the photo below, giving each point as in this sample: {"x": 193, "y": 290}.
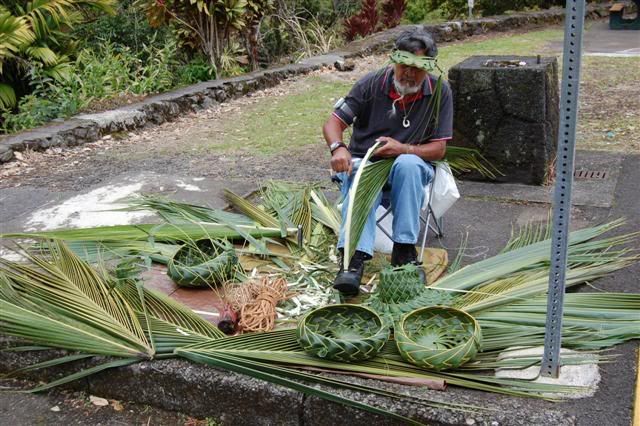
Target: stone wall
{"x": 155, "y": 110}
{"x": 507, "y": 108}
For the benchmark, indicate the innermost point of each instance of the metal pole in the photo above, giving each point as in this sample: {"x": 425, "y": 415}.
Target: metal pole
{"x": 574, "y": 24}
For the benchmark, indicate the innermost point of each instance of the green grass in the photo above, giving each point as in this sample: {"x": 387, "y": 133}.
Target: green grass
{"x": 276, "y": 124}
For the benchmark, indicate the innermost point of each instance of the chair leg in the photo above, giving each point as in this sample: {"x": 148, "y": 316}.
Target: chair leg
{"x": 437, "y": 226}
{"x": 424, "y": 242}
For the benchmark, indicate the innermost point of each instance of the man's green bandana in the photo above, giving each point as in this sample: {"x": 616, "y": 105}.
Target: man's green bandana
{"x": 426, "y": 63}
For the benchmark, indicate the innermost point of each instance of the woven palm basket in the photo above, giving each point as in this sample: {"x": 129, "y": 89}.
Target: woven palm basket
{"x": 438, "y": 337}
{"x": 348, "y": 333}
{"x": 203, "y": 263}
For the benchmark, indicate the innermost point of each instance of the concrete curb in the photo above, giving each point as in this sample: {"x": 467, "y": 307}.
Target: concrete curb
{"x": 154, "y": 110}
{"x": 234, "y": 399}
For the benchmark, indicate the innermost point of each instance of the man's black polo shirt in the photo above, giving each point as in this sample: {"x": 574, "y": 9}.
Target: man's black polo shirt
{"x": 369, "y": 110}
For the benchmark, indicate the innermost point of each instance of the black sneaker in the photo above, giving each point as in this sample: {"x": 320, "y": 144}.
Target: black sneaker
{"x": 403, "y": 254}
{"x": 348, "y": 282}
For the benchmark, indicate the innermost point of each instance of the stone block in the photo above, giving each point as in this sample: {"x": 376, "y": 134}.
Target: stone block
{"x": 6, "y": 154}
{"x": 507, "y": 108}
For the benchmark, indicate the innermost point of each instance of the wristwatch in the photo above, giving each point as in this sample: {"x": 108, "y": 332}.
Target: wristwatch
{"x": 336, "y": 145}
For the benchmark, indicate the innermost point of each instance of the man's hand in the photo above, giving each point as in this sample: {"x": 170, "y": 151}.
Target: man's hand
{"x": 341, "y": 160}
{"x": 391, "y": 148}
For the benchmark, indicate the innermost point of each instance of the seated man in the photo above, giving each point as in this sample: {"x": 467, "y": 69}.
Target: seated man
{"x": 411, "y": 112}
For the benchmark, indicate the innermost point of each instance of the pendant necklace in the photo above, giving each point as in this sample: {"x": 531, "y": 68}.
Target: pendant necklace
{"x": 405, "y": 120}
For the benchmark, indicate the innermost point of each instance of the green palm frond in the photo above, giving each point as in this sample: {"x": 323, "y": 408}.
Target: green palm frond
{"x": 295, "y": 380}
{"x": 60, "y": 71}
{"x": 324, "y": 212}
{"x": 281, "y": 347}
{"x": 468, "y": 159}
{"x": 42, "y": 54}
{"x": 528, "y": 234}
{"x": 371, "y": 178}
{"x": 7, "y": 96}
{"x": 58, "y": 301}
{"x": 168, "y": 310}
{"x": 180, "y": 213}
{"x": 46, "y": 15}
{"x": 367, "y": 184}
{"x": 166, "y": 232}
{"x": 504, "y": 264}
{"x": 175, "y": 212}
{"x": 251, "y": 210}
{"x": 64, "y": 292}
{"x": 14, "y": 32}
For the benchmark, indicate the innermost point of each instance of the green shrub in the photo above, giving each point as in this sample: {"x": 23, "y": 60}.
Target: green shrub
{"x": 416, "y": 11}
{"x": 158, "y": 72}
{"x": 104, "y": 72}
{"x": 49, "y": 99}
{"x": 127, "y": 28}
{"x": 196, "y": 70}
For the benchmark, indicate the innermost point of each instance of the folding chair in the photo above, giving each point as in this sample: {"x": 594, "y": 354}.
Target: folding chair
{"x": 427, "y": 217}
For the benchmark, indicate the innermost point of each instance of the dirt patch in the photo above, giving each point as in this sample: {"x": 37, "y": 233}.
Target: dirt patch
{"x": 610, "y": 105}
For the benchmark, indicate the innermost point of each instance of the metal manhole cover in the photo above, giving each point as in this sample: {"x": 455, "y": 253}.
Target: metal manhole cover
{"x": 589, "y": 174}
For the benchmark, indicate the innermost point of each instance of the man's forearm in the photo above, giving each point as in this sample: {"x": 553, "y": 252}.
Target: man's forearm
{"x": 333, "y": 130}
{"x": 432, "y": 151}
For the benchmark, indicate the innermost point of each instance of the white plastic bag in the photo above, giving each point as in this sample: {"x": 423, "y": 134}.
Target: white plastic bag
{"x": 445, "y": 191}
{"x": 383, "y": 244}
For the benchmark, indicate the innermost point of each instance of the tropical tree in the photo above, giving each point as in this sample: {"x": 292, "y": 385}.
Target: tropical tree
{"x": 34, "y": 35}
{"x": 256, "y": 11}
{"x": 211, "y": 22}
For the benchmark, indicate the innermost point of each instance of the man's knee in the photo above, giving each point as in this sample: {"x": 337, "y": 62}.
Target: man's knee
{"x": 409, "y": 164}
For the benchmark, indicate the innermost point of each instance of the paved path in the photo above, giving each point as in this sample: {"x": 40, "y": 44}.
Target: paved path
{"x": 599, "y": 40}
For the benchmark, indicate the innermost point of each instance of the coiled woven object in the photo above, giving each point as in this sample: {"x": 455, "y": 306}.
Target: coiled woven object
{"x": 438, "y": 337}
{"x": 203, "y": 263}
{"x": 348, "y": 333}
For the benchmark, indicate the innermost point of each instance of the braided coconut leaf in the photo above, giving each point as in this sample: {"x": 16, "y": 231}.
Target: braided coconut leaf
{"x": 203, "y": 263}
{"x": 392, "y": 312}
{"x": 346, "y": 333}
{"x": 401, "y": 284}
{"x": 438, "y": 337}
{"x": 402, "y": 290}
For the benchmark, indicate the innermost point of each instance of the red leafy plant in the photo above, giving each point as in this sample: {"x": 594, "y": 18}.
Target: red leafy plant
{"x": 369, "y": 19}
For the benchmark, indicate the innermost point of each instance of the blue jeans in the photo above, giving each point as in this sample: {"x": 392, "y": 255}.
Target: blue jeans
{"x": 409, "y": 175}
